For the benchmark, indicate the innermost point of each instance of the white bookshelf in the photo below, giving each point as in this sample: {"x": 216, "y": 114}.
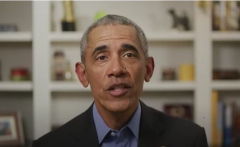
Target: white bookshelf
{"x": 66, "y": 36}
{"x": 170, "y": 36}
{"x": 68, "y": 87}
{"x": 151, "y": 36}
{"x": 224, "y": 85}
{"x": 199, "y": 42}
{"x": 164, "y": 41}
{"x": 15, "y": 86}
{"x": 226, "y": 36}
{"x": 161, "y": 86}
{"x": 15, "y": 37}
{"x": 169, "y": 86}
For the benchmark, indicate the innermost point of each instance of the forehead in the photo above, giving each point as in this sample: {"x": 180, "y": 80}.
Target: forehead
{"x": 106, "y": 32}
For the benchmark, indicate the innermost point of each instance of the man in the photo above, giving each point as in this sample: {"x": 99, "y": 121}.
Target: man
{"x": 115, "y": 63}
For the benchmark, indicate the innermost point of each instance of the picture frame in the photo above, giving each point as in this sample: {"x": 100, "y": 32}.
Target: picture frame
{"x": 179, "y": 110}
{"x": 11, "y": 129}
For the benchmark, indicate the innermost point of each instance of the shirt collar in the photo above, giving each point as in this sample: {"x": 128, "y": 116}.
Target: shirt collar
{"x": 134, "y": 122}
{"x": 103, "y": 129}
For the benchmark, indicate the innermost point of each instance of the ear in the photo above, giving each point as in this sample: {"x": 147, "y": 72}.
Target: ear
{"x": 149, "y": 69}
{"x": 81, "y": 73}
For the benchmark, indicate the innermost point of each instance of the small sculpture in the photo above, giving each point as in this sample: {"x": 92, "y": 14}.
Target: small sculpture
{"x": 179, "y": 22}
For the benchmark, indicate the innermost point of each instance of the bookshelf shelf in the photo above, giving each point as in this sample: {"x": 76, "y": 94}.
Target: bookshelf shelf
{"x": 226, "y": 36}
{"x": 66, "y": 36}
{"x": 68, "y": 87}
{"x": 163, "y": 86}
{"x": 226, "y": 85}
{"x": 16, "y": 86}
{"x": 15, "y": 37}
{"x": 170, "y": 36}
{"x": 169, "y": 86}
{"x": 160, "y": 36}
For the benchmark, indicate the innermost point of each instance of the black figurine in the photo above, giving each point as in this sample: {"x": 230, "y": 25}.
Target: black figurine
{"x": 181, "y": 23}
{"x": 175, "y": 18}
{"x": 185, "y": 21}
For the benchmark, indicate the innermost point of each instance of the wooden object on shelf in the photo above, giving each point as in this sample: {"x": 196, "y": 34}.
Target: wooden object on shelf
{"x": 168, "y": 74}
{"x": 221, "y": 74}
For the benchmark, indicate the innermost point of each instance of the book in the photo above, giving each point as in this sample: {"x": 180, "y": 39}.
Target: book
{"x": 215, "y": 140}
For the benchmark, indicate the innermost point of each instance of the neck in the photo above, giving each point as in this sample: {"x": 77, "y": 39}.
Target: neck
{"x": 116, "y": 120}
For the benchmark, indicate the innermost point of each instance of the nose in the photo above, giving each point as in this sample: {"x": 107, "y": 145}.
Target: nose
{"x": 116, "y": 68}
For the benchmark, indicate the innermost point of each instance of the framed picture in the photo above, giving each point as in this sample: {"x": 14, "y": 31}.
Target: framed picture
{"x": 11, "y": 131}
{"x": 179, "y": 110}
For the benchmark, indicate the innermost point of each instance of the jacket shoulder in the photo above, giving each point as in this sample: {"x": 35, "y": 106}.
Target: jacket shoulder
{"x": 175, "y": 123}
{"x": 64, "y": 134}
{"x": 178, "y": 131}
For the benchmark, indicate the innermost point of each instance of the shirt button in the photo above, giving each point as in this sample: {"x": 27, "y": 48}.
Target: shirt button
{"x": 113, "y": 134}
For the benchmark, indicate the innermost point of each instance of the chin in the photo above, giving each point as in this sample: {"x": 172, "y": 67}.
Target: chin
{"x": 118, "y": 106}
{"x": 118, "y": 110}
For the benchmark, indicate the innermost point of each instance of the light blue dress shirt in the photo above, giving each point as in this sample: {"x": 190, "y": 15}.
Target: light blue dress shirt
{"x": 126, "y": 137}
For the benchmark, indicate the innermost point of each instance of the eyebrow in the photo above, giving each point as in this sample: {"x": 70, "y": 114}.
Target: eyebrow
{"x": 130, "y": 47}
{"x": 99, "y": 48}
{"x": 123, "y": 46}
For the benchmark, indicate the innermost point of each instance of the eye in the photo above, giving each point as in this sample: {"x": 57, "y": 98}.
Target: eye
{"x": 101, "y": 58}
{"x": 129, "y": 55}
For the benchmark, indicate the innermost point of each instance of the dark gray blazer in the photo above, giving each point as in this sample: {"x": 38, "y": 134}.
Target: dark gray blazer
{"x": 156, "y": 130}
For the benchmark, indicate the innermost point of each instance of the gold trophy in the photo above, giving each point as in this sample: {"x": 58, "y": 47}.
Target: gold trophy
{"x": 68, "y": 21}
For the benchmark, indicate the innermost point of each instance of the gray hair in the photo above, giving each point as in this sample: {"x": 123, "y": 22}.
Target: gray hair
{"x": 113, "y": 20}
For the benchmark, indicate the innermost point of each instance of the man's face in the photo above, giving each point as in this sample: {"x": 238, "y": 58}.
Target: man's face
{"x": 115, "y": 67}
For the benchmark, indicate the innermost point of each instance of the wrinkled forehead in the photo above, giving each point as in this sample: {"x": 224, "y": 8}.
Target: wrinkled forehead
{"x": 105, "y": 32}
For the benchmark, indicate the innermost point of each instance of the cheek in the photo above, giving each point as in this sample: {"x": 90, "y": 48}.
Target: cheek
{"x": 96, "y": 74}
{"x": 137, "y": 72}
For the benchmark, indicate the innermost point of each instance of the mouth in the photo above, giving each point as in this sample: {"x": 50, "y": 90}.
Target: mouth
{"x": 119, "y": 89}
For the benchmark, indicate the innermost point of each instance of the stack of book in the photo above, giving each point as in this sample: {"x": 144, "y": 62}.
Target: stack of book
{"x": 225, "y": 123}
{"x": 225, "y": 15}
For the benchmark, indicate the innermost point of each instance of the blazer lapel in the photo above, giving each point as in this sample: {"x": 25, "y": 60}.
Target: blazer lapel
{"x": 151, "y": 128}
{"x": 84, "y": 133}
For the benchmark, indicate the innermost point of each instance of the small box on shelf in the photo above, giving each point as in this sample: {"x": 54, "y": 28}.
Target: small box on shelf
{"x": 226, "y": 74}
{"x": 19, "y": 74}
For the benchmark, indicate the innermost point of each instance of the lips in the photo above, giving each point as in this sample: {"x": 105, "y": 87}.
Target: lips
{"x": 118, "y": 89}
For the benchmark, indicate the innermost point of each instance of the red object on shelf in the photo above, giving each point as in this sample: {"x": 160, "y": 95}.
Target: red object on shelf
{"x": 19, "y": 74}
